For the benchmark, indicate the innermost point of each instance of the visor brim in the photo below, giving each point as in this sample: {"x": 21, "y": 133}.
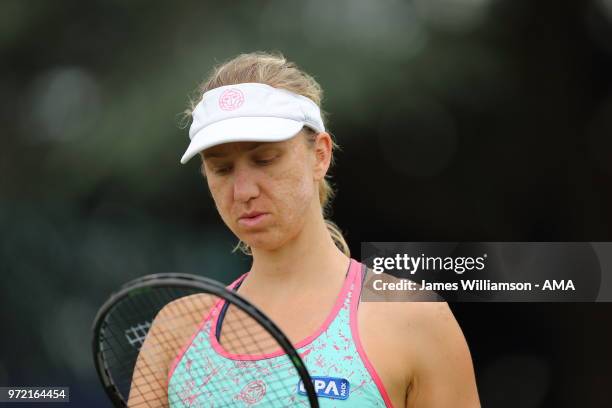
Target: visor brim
{"x": 243, "y": 129}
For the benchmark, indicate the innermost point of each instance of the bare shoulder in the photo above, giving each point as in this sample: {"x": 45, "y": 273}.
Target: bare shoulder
{"x": 413, "y": 312}
{"x": 406, "y": 300}
{"x": 174, "y": 325}
{"x": 442, "y": 372}
{"x": 438, "y": 365}
{"x": 187, "y": 306}
{"x": 183, "y": 315}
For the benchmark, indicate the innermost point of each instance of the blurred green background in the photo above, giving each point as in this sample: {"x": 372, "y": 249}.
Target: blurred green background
{"x": 458, "y": 120}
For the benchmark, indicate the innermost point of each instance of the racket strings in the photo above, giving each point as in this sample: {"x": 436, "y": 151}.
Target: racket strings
{"x": 238, "y": 326}
{"x": 175, "y": 327}
{"x": 140, "y": 347}
{"x": 121, "y": 351}
{"x": 235, "y": 372}
{"x": 250, "y": 345}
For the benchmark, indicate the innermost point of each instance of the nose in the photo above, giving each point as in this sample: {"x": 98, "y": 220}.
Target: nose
{"x": 245, "y": 184}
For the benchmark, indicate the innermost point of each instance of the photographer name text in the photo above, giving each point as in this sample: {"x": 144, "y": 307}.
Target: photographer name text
{"x": 474, "y": 285}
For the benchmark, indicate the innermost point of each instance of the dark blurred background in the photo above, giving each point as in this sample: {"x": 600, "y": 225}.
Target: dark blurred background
{"x": 480, "y": 120}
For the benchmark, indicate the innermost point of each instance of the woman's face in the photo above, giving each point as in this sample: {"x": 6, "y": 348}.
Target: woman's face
{"x": 264, "y": 192}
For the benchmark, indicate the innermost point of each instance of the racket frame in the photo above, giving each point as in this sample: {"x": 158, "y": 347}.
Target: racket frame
{"x": 206, "y": 285}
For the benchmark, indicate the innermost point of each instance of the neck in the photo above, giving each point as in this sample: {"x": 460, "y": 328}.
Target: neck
{"x": 308, "y": 260}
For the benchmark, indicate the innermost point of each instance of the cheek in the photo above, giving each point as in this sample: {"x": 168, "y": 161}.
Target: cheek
{"x": 219, "y": 194}
{"x": 297, "y": 186}
{"x": 294, "y": 193}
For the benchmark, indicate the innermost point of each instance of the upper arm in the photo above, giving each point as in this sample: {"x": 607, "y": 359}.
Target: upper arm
{"x": 171, "y": 329}
{"x": 443, "y": 375}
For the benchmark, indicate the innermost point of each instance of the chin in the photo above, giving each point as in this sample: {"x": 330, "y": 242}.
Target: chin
{"x": 263, "y": 245}
{"x": 263, "y": 241}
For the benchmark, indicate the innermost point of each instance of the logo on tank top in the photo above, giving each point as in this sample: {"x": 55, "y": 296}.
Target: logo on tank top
{"x": 252, "y": 393}
{"x": 328, "y": 387}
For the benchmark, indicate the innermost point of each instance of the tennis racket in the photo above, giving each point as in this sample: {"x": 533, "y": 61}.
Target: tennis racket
{"x": 186, "y": 341}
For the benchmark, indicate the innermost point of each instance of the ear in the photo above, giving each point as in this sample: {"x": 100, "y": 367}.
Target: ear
{"x": 323, "y": 147}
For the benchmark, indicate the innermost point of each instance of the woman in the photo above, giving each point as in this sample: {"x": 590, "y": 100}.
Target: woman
{"x": 265, "y": 155}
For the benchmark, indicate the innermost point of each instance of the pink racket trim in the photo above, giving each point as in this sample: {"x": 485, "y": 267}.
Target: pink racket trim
{"x": 357, "y": 339}
{"x": 353, "y": 270}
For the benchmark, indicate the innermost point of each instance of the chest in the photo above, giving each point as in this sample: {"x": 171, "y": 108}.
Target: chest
{"x": 298, "y": 317}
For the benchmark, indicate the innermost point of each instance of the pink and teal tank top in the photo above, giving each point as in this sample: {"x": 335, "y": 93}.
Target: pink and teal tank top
{"x": 333, "y": 354}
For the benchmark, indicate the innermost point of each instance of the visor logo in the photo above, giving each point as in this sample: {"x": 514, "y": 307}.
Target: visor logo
{"x": 231, "y": 99}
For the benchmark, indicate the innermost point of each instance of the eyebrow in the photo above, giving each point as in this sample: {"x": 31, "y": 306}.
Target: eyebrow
{"x": 253, "y": 146}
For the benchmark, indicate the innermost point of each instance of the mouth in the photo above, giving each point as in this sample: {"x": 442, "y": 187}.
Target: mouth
{"x": 252, "y": 219}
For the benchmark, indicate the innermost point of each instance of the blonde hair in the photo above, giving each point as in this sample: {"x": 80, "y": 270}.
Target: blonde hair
{"x": 273, "y": 69}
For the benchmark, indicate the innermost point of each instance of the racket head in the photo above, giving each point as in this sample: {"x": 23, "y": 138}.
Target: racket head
{"x": 122, "y": 324}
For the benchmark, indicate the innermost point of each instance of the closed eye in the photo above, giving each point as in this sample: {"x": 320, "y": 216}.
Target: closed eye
{"x": 222, "y": 170}
{"x": 264, "y": 162}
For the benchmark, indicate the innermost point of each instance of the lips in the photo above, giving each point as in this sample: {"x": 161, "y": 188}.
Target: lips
{"x": 252, "y": 219}
{"x": 251, "y": 214}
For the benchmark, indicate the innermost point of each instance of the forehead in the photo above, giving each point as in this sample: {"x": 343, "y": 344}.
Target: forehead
{"x": 229, "y": 149}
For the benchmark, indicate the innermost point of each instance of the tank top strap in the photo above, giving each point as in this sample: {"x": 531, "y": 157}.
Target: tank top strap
{"x": 354, "y": 283}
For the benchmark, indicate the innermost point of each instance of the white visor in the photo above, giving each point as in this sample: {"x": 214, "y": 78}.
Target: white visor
{"x": 249, "y": 112}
